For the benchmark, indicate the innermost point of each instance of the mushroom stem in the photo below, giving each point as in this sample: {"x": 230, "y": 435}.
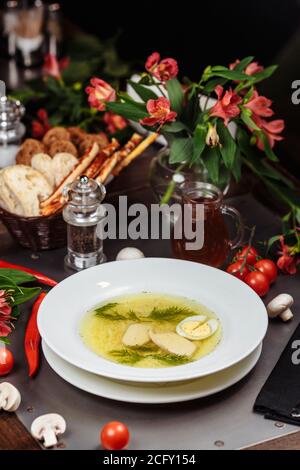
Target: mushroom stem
{"x": 49, "y": 436}
{"x": 286, "y": 315}
{"x": 3, "y": 401}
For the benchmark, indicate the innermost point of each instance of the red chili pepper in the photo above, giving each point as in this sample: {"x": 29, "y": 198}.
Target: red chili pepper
{"x": 40, "y": 277}
{"x": 33, "y": 338}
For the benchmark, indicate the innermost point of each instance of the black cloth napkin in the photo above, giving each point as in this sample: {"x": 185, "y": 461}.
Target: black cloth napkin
{"x": 279, "y": 399}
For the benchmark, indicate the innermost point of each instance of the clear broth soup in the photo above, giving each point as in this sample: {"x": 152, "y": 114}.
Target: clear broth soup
{"x": 103, "y": 328}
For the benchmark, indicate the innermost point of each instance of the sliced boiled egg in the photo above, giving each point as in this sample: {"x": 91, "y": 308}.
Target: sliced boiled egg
{"x": 197, "y": 327}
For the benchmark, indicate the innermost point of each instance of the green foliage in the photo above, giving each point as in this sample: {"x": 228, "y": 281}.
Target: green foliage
{"x": 133, "y": 356}
{"x": 11, "y": 281}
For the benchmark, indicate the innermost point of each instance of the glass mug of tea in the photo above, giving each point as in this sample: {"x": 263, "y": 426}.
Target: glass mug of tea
{"x": 203, "y": 210}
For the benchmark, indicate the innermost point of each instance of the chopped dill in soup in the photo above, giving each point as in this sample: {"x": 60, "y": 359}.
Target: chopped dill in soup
{"x": 151, "y": 330}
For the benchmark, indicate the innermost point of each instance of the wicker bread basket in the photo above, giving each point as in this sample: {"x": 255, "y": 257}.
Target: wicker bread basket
{"x": 36, "y": 233}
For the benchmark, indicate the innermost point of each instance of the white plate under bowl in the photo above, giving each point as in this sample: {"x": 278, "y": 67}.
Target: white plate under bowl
{"x": 241, "y": 312}
{"x": 150, "y": 393}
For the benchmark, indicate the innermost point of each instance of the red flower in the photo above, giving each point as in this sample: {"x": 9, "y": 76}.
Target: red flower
{"x": 5, "y": 328}
{"x": 41, "y": 126}
{"x": 99, "y": 93}
{"x": 227, "y": 104}
{"x": 287, "y": 262}
{"x": 37, "y": 130}
{"x": 251, "y": 68}
{"x": 159, "y": 111}
{"x": 164, "y": 69}
{"x": 271, "y": 129}
{"x": 259, "y": 105}
{"x": 51, "y": 66}
{"x": 114, "y": 122}
{"x": 5, "y": 314}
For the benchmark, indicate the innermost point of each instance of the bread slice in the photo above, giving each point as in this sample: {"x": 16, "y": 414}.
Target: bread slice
{"x": 22, "y": 189}
{"x": 42, "y": 162}
{"x": 62, "y": 164}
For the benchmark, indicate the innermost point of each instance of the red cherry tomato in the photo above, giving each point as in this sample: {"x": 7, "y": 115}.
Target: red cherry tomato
{"x": 237, "y": 270}
{"x": 259, "y": 282}
{"x": 268, "y": 268}
{"x": 114, "y": 436}
{"x": 251, "y": 256}
{"x": 6, "y": 361}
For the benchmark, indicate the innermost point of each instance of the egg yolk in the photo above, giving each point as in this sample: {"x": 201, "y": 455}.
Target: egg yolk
{"x": 196, "y": 328}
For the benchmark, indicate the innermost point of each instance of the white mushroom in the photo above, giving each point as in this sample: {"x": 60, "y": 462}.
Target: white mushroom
{"x": 10, "y": 397}
{"x": 129, "y": 253}
{"x": 47, "y": 427}
{"x": 280, "y": 306}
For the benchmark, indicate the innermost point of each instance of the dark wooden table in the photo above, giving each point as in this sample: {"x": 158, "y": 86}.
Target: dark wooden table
{"x": 133, "y": 181}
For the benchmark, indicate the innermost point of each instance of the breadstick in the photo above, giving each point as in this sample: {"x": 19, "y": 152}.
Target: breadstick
{"x": 133, "y": 142}
{"x": 107, "y": 167}
{"x": 135, "y": 153}
{"x": 93, "y": 170}
{"x": 52, "y": 208}
{"x": 78, "y": 170}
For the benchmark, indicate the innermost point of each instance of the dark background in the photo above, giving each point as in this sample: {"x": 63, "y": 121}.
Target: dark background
{"x": 198, "y": 33}
{"x": 194, "y": 32}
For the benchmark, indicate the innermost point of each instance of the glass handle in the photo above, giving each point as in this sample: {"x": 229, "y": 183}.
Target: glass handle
{"x": 234, "y": 214}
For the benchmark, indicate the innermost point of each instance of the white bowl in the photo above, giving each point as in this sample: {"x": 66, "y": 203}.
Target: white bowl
{"x": 241, "y": 312}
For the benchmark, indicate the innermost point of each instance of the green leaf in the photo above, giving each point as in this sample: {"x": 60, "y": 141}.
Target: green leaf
{"x": 105, "y": 308}
{"x": 16, "y": 276}
{"x": 176, "y": 95}
{"x": 237, "y": 165}
{"x": 231, "y": 75}
{"x": 243, "y": 63}
{"x": 212, "y": 159}
{"x": 266, "y": 73}
{"x": 128, "y": 110}
{"x": 245, "y": 116}
{"x": 199, "y": 142}
{"x": 211, "y": 84}
{"x": 4, "y": 339}
{"x": 23, "y": 294}
{"x": 181, "y": 150}
{"x": 143, "y": 91}
{"x": 267, "y": 148}
{"x": 228, "y": 145}
{"x": 174, "y": 127}
{"x": 272, "y": 240}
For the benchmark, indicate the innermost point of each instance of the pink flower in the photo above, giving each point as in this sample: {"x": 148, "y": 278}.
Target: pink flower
{"x": 164, "y": 69}
{"x": 51, "y": 67}
{"x": 286, "y": 262}
{"x": 99, "y": 93}
{"x": 159, "y": 111}
{"x": 251, "y": 68}
{"x": 114, "y": 122}
{"x": 5, "y": 313}
{"x": 5, "y": 328}
{"x": 271, "y": 129}
{"x": 227, "y": 104}
{"x": 5, "y": 308}
{"x": 260, "y": 105}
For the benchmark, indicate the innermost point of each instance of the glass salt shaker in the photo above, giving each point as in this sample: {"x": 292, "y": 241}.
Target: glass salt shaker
{"x": 11, "y": 129}
{"x": 83, "y": 212}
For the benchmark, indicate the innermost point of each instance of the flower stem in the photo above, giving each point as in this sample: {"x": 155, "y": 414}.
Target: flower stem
{"x": 171, "y": 187}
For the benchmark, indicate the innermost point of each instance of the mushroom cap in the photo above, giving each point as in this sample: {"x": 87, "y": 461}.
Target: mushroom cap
{"x": 52, "y": 421}
{"x": 279, "y": 304}
{"x": 11, "y": 395}
{"x": 129, "y": 252}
